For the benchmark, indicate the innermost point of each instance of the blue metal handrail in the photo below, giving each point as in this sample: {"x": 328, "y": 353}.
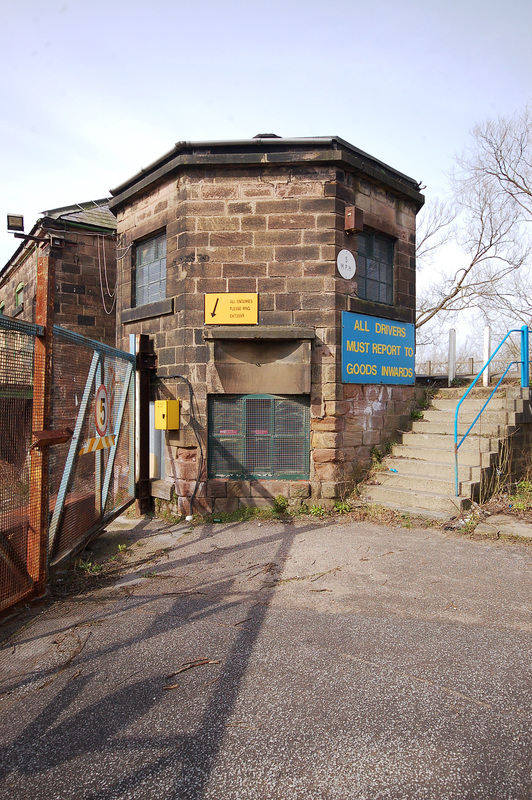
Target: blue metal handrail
{"x": 525, "y": 373}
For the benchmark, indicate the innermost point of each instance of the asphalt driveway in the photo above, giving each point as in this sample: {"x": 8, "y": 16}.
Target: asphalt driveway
{"x": 331, "y": 660}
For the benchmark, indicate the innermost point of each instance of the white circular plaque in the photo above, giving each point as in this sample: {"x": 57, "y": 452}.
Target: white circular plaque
{"x": 347, "y": 266}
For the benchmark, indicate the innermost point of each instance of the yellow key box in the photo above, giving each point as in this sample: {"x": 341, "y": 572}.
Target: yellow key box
{"x": 167, "y": 415}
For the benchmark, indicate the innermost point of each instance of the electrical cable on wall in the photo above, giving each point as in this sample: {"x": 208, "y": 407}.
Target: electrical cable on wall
{"x": 124, "y": 254}
{"x": 194, "y": 423}
{"x": 111, "y": 294}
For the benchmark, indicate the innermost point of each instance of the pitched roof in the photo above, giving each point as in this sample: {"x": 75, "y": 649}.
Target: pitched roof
{"x": 95, "y": 213}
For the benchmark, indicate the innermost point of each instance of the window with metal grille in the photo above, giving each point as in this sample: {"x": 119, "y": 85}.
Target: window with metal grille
{"x": 259, "y": 436}
{"x": 150, "y": 270}
{"x": 375, "y": 267}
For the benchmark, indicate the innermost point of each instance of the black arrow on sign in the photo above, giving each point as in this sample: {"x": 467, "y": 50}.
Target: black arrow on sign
{"x": 213, "y": 312}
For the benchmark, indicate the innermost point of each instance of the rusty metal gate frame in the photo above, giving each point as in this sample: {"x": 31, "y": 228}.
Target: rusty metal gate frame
{"x": 25, "y": 559}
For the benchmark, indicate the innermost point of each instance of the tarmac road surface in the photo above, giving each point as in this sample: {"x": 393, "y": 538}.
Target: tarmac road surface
{"x": 320, "y": 660}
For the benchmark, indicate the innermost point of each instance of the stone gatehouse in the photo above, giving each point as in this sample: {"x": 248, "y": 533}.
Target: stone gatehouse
{"x": 242, "y": 261}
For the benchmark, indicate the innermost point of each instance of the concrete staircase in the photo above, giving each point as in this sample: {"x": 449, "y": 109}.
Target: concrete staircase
{"x": 418, "y": 476}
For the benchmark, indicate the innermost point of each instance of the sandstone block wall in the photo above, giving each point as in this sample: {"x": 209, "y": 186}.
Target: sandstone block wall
{"x": 80, "y": 278}
{"x": 275, "y": 231}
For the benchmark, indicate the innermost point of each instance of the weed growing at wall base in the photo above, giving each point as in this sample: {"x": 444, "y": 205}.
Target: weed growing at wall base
{"x": 521, "y": 499}
{"x": 88, "y": 566}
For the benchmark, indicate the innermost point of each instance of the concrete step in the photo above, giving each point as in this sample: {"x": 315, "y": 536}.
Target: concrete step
{"x": 419, "y": 475}
{"x": 490, "y": 417}
{"x": 479, "y": 392}
{"x": 449, "y": 404}
{"x": 443, "y": 486}
{"x": 446, "y": 427}
{"x": 437, "y": 441}
{"x": 404, "y": 498}
{"x": 470, "y": 458}
{"x": 436, "y": 469}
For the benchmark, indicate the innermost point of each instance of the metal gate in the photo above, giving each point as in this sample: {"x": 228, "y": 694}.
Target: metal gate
{"x": 88, "y": 474}
{"x": 92, "y": 476}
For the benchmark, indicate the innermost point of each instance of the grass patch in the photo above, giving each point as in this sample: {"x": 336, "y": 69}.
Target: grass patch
{"x": 349, "y": 508}
{"x": 342, "y": 506}
{"x": 280, "y": 504}
{"x": 90, "y": 567}
{"x": 521, "y": 499}
{"x": 317, "y": 511}
{"x": 243, "y": 515}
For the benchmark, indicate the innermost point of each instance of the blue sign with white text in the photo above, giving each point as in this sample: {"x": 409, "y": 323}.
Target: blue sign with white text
{"x": 377, "y": 350}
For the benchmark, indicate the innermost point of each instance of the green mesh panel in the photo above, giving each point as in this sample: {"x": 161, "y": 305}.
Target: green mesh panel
{"x": 258, "y": 436}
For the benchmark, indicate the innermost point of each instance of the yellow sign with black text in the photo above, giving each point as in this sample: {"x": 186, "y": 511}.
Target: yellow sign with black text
{"x": 232, "y": 308}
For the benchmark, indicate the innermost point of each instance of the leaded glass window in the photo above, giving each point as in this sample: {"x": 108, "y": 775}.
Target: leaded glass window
{"x": 375, "y": 267}
{"x": 150, "y": 270}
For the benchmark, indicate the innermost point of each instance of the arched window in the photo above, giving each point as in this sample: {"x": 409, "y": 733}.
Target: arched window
{"x": 19, "y": 295}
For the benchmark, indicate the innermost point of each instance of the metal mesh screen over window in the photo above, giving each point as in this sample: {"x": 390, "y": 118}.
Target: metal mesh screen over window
{"x": 375, "y": 267}
{"x": 150, "y": 270}
{"x": 259, "y": 436}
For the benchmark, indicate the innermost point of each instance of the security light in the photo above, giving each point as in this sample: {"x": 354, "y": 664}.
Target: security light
{"x": 15, "y": 222}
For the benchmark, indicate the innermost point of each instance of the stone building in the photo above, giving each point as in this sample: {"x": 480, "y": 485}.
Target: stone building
{"x": 257, "y": 268}
{"x": 85, "y": 270}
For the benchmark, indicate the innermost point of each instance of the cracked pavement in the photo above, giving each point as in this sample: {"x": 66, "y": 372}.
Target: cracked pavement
{"x": 320, "y": 659}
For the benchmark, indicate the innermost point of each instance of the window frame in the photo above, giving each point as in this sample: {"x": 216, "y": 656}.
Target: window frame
{"x": 243, "y": 439}
{"x": 158, "y": 237}
{"x": 19, "y": 295}
{"x": 375, "y": 237}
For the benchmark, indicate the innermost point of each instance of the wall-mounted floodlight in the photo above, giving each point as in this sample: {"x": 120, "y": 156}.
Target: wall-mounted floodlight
{"x": 15, "y": 222}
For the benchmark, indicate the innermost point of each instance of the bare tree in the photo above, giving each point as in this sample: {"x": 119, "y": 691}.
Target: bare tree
{"x": 501, "y": 154}
{"x": 493, "y": 196}
{"x": 435, "y": 229}
{"x": 492, "y": 238}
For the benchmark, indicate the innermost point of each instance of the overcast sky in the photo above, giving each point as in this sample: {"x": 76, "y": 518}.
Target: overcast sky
{"x": 93, "y": 91}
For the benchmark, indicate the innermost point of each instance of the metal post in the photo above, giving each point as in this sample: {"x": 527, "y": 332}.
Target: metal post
{"x": 98, "y": 456}
{"x": 72, "y": 450}
{"x": 486, "y": 375}
{"x": 145, "y": 363}
{"x": 525, "y": 358}
{"x": 452, "y": 357}
{"x": 37, "y": 549}
{"x": 132, "y": 420}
